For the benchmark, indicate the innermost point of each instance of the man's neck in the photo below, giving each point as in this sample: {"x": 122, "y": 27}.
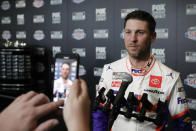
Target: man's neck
{"x": 138, "y": 63}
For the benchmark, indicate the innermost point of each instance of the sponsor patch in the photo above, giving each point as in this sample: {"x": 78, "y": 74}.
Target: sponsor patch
{"x": 181, "y": 100}
{"x": 154, "y": 91}
{"x": 180, "y": 89}
{"x": 78, "y": 34}
{"x": 191, "y": 33}
{"x": 155, "y": 81}
{"x": 116, "y": 83}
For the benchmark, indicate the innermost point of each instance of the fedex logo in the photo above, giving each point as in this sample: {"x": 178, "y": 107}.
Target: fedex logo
{"x": 181, "y": 101}
{"x": 136, "y": 71}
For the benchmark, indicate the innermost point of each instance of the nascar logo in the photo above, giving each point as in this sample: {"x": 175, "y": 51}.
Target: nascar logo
{"x": 191, "y": 33}
{"x": 191, "y": 80}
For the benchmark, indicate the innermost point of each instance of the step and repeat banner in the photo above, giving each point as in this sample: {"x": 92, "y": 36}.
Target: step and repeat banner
{"x": 94, "y": 30}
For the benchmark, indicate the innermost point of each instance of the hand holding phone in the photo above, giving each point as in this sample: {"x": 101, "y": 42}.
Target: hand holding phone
{"x": 66, "y": 70}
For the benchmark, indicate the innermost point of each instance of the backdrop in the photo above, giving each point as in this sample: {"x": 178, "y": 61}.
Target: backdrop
{"x": 93, "y": 28}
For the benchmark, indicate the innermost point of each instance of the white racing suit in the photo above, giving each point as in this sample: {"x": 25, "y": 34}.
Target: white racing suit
{"x": 159, "y": 82}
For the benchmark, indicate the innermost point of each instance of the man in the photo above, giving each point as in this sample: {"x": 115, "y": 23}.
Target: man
{"x": 149, "y": 76}
{"x": 24, "y": 112}
{"x": 63, "y": 84}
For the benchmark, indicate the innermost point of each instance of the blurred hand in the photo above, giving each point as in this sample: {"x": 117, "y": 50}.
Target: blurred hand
{"x": 22, "y": 114}
{"x": 76, "y": 111}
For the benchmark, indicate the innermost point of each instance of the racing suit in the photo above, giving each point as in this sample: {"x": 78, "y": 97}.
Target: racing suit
{"x": 155, "y": 79}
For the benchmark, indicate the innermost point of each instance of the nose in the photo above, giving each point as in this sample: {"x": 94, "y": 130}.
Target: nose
{"x": 133, "y": 37}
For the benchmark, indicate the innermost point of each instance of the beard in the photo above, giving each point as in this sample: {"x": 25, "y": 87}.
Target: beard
{"x": 143, "y": 52}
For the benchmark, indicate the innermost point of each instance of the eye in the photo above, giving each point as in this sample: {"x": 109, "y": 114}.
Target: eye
{"x": 127, "y": 32}
{"x": 140, "y": 32}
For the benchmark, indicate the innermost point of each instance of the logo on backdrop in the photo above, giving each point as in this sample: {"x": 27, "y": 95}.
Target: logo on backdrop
{"x": 191, "y": 9}
{"x": 56, "y": 2}
{"x": 6, "y": 20}
{"x": 20, "y": 4}
{"x": 162, "y": 33}
{"x": 78, "y": 16}
{"x": 6, "y": 35}
{"x": 159, "y": 54}
{"x": 158, "y": 11}
{"x": 55, "y": 50}
{"x": 100, "y": 33}
{"x": 191, "y": 33}
{"x": 190, "y": 56}
{"x": 80, "y": 51}
{"x": 100, "y": 14}
{"x": 122, "y": 34}
{"x": 78, "y": 34}
{"x": 21, "y": 34}
{"x": 5, "y": 5}
{"x": 100, "y": 52}
{"x": 38, "y": 3}
{"x": 82, "y": 70}
{"x": 124, "y": 12}
{"x": 191, "y": 80}
{"x": 78, "y": 1}
{"x": 39, "y": 35}
{"x": 98, "y": 71}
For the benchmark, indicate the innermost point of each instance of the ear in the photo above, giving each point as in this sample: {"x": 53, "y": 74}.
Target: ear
{"x": 153, "y": 37}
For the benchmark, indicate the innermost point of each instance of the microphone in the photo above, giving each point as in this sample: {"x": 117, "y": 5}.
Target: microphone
{"x": 110, "y": 96}
{"x": 99, "y": 99}
{"x": 126, "y": 80}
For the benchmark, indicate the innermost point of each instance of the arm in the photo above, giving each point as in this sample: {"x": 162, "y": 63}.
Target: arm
{"x": 23, "y": 113}
{"x": 76, "y": 111}
{"x": 178, "y": 108}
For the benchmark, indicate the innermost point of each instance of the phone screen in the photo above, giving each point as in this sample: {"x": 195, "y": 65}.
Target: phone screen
{"x": 64, "y": 74}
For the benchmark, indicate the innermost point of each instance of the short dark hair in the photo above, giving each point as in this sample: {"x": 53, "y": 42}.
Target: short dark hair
{"x": 65, "y": 63}
{"x": 144, "y": 16}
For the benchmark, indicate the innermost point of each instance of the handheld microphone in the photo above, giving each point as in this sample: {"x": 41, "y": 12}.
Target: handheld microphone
{"x": 99, "y": 99}
{"x": 126, "y": 80}
{"x": 110, "y": 100}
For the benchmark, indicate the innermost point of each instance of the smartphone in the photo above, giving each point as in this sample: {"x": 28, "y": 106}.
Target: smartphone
{"x": 65, "y": 72}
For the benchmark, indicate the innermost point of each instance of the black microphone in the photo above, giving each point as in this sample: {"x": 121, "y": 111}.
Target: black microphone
{"x": 99, "y": 99}
{"x": 110, "y": 100}
{"x": 126, "y": 80}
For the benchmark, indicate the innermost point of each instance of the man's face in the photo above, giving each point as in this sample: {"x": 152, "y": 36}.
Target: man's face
{"x": 65, "y": 71}
{"x": 138, "y": 39}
